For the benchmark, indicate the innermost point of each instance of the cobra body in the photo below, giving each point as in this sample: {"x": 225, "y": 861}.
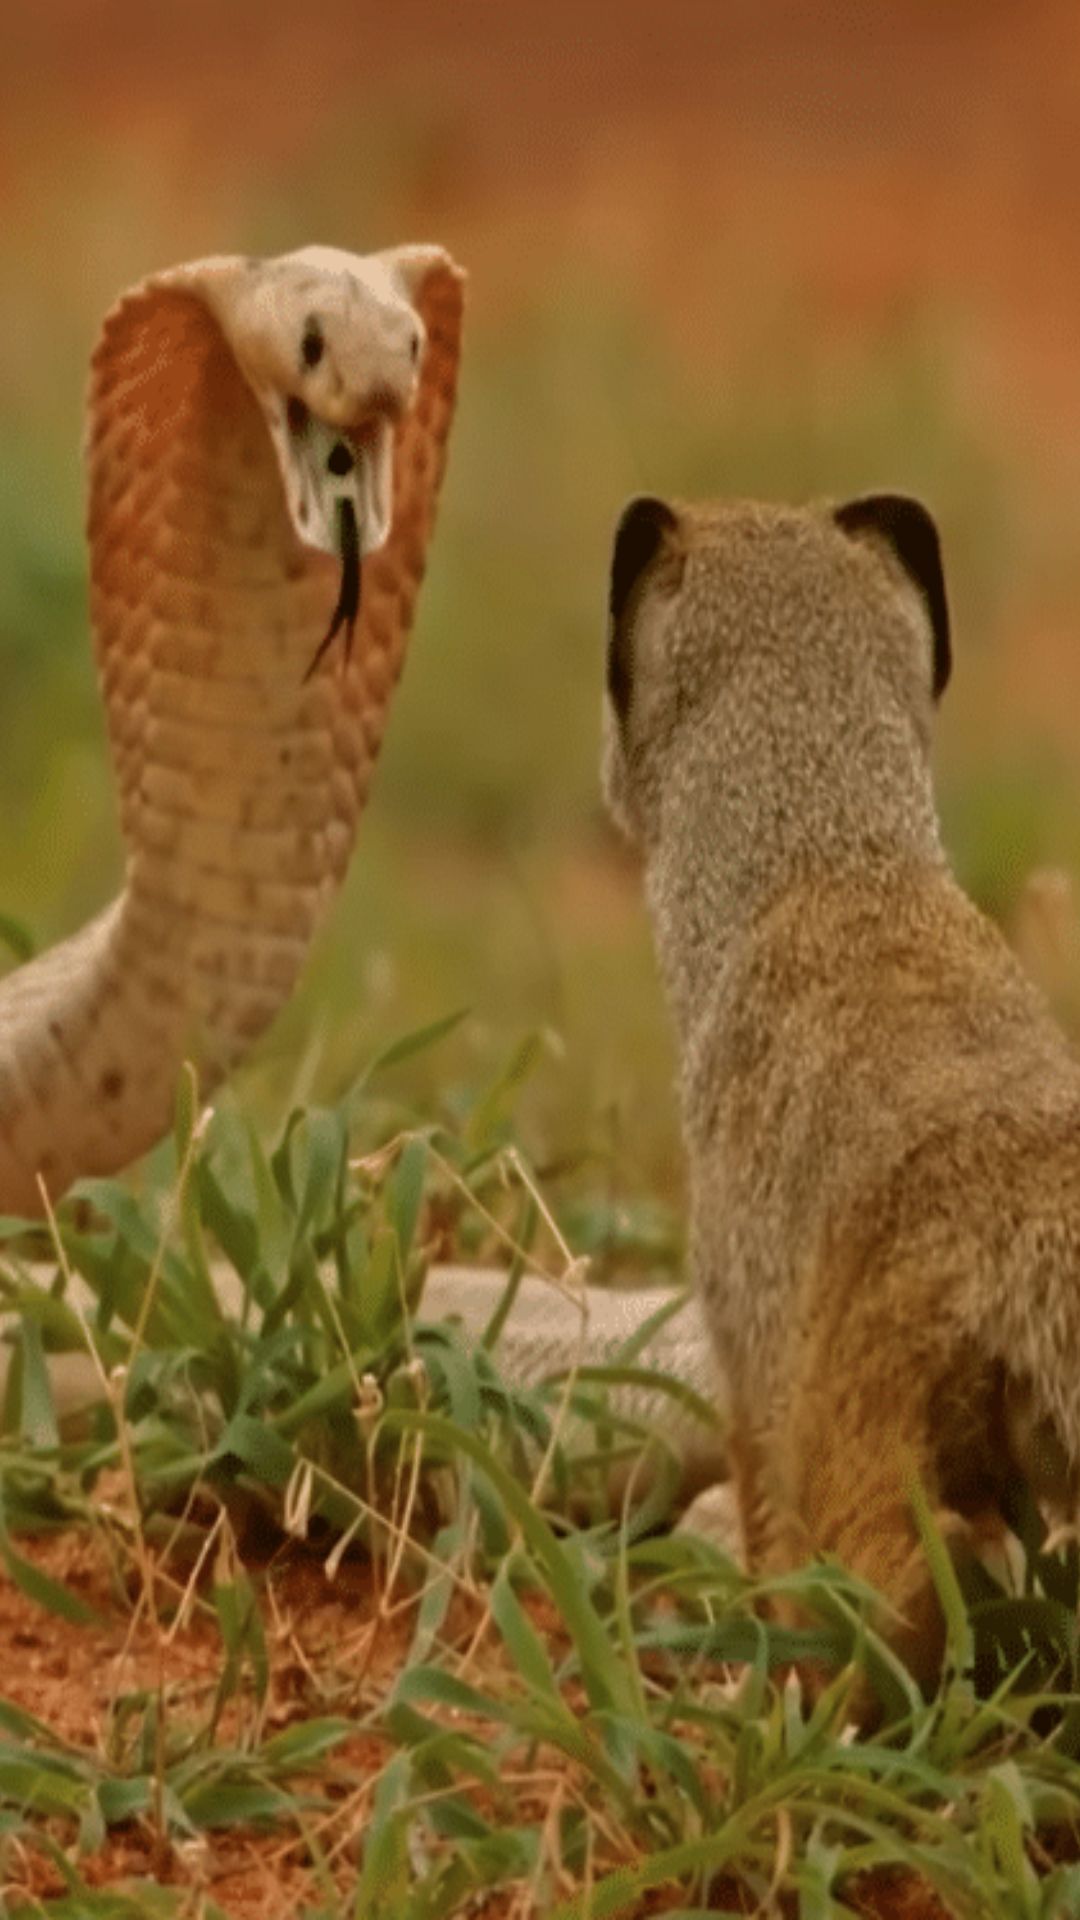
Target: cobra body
{"x": 213, "y": 579}
{"x": 242, "y": 416}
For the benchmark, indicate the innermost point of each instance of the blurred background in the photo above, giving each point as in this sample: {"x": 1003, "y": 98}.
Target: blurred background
{"x": 775, "y": 247}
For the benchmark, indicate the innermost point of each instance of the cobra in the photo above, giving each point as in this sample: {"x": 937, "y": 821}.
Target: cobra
{"x": 223, "y": 450}
{"x": 265, "y": 446}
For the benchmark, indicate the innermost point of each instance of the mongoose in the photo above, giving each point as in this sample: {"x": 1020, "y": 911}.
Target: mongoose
{"x": 882, "y": 1119}
{"x": 1044, "y": 932}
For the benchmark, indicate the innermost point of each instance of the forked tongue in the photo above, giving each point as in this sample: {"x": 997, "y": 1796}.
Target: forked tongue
{"x": 338, "y": 487}
{"x": 326, "y": 467}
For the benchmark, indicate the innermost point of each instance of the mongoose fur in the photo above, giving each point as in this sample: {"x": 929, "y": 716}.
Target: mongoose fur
{"x": 881, "y": 1117}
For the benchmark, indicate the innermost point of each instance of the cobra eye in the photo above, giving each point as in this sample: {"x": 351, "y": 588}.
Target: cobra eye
{"x": 312, "y": 344}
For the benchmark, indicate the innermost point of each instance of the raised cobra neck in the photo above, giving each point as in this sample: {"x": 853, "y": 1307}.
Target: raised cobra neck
{"x": 216, "y": 391}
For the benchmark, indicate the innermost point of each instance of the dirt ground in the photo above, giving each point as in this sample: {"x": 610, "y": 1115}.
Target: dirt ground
{"x": 72, "y": 1678}
{"x": 331, "y": 1651}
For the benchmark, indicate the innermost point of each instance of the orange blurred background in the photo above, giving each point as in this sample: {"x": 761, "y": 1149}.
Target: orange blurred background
{"x": 862, "y": 159}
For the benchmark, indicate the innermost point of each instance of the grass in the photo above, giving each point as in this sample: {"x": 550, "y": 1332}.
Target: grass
{"x": 577, "y": 1720}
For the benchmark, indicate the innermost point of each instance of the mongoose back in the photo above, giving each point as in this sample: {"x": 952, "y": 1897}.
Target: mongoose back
{"x": 882, "y": 1118}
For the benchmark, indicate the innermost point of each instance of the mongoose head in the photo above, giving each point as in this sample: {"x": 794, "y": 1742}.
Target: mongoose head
{"x": 772, "y": 674}
{"x": 710, "y": 606}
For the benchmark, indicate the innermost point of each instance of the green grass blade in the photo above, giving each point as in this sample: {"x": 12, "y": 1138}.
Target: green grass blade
{"x": 601, "y": 1668}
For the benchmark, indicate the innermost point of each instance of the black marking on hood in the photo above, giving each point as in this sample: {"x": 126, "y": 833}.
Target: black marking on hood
{"x": 312, "y": 343}
{"x": 340, "y": 459}
{"x": 347, "y": 611}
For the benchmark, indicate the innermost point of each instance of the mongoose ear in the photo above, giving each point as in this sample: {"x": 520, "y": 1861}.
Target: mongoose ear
{"x": 643, "y": 527}
{"x": 910, "y": 531}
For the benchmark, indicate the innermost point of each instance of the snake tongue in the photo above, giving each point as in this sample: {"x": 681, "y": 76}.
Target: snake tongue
{"x": 339, "y": 492}
{"x": 347, "y": 611}
{"x": 324, "y": 467}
